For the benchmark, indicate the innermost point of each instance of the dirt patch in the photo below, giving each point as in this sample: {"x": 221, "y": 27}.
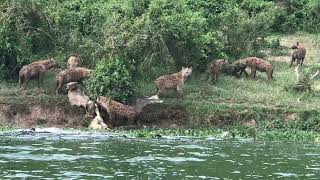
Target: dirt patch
{"x": 37, "y": 115}
{"x": 163, "y": 116}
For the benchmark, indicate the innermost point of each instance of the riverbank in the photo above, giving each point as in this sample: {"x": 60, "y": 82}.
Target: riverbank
{"x": 242, "y": 107}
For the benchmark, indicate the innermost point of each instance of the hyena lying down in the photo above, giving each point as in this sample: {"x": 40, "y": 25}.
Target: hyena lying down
{"x": 74, "y": 60}
{"x": 116, "y": 109}
{"x": 70, "y": 75}
{"x": 255, "y": 64}
{"x": 298, "y": 54}
{"x": 173, "y": 81}
{"x": 35, "y": 70}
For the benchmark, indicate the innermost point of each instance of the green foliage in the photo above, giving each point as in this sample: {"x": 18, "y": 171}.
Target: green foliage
{"x": 113, "y": 78}
{"x": 160, "y": 35}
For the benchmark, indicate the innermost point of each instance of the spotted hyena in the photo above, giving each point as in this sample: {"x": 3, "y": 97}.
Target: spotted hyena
{"x": 74, "y": 60}
{"x": 116, "y": 109}
{"x": 173, "y": 81}
{"x": 35, "y": 70}
{"x": 70, "y": 75}
{"x": 255, "y": 64}
{"x": 49, "y": 63}
{"x": 215, "y": 67}
{"x": 298, "y": 54}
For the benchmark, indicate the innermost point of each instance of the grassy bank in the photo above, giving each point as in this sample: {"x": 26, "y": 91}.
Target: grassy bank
{"x": 226, "y": 106}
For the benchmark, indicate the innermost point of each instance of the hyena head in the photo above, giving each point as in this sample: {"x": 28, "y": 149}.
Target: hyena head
{"x": 71, "y": 86}
{"x": 53, "y": 64}
{"x": 86, "y": 72}
{"x": 295, "y": 46}
{"x": 104, "y": 99}
{"x": 223, "y": 62}
{"x": 186, "y": 71}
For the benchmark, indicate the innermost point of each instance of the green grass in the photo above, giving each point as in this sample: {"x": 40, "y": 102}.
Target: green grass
{"x": 10, "y": 93}
{"x": 280, "y": 114}
{"x": 243, "y": 99}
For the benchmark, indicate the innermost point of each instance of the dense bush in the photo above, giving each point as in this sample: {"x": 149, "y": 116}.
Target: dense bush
{"x": 113, "y": 78}
{"x": 159, "y": 35}
{"x": 24, "y": 35}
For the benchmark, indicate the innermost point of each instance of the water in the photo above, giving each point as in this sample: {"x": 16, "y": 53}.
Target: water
{"x": 102, "y": 156}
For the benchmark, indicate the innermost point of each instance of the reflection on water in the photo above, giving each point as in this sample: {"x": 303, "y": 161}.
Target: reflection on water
{"x": 106, "y": 156}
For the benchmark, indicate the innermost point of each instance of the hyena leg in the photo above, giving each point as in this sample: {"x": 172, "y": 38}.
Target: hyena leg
{"x": 40, "y": 80}
{"x": 301, "y": 61}
{"x": 271, "y": 74}
{"x": 21, "y": 81}
{"x": 216, "y": 76}
{"x": 179, "y": 91}
{"x": 160, "y": 90}
{"x": 210, "y": 77}
{"x": 253, "y": 72}
{"x": 26, "y": 82}
{"x": 58, "y": 88}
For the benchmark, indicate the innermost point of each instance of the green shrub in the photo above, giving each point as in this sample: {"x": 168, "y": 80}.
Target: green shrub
{"x": 113, "y": 78}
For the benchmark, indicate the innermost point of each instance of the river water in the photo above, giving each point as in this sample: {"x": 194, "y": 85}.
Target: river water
{"x": 102, "y": 156}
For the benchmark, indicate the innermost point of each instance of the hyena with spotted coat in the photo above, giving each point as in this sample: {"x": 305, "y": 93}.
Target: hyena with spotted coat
{"x": 70, "y": 75}
{"x": 214, "y": 68}
{"x": 173, "y": 81}
{"x": 74, "y": 60}
{"x": 256, "y": 64}
{"x": 35, "y": 70}
{"x": 298, "y": 54}
{"x": 116, "y": 109}
{"x": 49, "y": 63}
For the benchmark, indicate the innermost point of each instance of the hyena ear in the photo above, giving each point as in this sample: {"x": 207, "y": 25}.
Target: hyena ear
{"x": 183, "y": 68}
{"x": 298, "y": 43}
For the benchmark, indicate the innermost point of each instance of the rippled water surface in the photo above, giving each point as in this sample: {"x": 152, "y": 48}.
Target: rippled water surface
{"x": 97, "y": 156}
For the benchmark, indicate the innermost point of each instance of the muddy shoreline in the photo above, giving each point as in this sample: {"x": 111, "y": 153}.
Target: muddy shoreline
{"x": 33, "y": 115}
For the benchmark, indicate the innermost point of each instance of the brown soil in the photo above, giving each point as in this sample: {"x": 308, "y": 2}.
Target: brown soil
{"x": 28, "y": 116}
{"x": 37, "y": 115}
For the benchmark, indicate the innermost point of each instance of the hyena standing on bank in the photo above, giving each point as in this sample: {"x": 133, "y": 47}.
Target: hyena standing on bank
{"x": 214, "y": 68}
{"x": 298, "y": 54}
{"x": 256, "y": 64}
{"x": 70, "y": 75}
{"x": 173, "y": 81}
{"x": 74, "y": 60}
{"x": 35, "y": 70}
